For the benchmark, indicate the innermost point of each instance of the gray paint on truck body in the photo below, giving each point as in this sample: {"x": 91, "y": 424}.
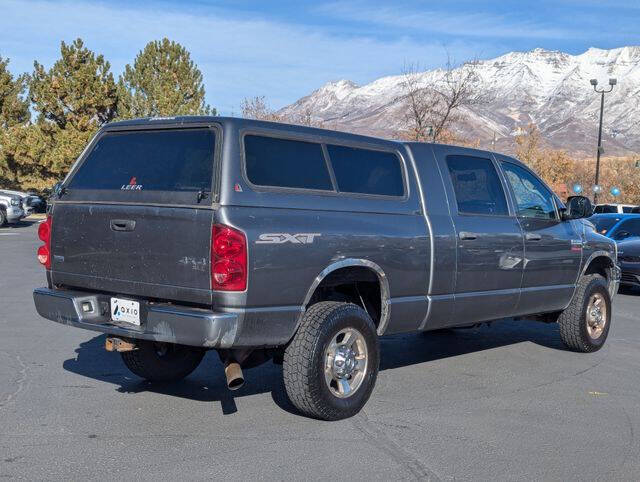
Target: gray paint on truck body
{"x": 429, "y": 278}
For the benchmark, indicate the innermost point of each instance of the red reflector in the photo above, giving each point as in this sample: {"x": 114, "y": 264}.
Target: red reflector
{"x": 44, "y": 251}
{"x": 228, "y": 259}
{"x": 44, "y": 257}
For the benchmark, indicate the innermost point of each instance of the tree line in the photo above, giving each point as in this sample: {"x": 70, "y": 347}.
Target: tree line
{"x": 48, "y": 116}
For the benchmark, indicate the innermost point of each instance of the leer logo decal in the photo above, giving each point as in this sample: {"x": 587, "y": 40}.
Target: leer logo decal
{"x": 280, "y": 238}
{"x": 132, "y": 186}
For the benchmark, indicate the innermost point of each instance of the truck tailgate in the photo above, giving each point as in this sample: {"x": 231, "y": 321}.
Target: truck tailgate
{"x": 148, "y": 251}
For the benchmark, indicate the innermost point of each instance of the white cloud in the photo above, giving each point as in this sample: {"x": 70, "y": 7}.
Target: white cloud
{"x": 238, "y": 57}
{"x": 452, "y": 22}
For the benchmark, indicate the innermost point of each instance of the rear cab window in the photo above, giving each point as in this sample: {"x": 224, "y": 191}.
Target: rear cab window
{"x": 365, "y": 171}
{"x": 274, "y": 162}
{"x": 174, "y": 166}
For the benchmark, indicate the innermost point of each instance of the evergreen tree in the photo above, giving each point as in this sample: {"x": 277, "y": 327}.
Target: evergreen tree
{"x": 14, "y": 107}
{"x": 14, "y": 115}
{"x": 163, "y": 81}
{"x": 72, "y": 99}
{"x": 78, "y": 90}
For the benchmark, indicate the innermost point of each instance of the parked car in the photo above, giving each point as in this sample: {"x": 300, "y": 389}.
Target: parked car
{"x": 629, "y": 258}
{"x": 10, "y": 208}
{"x": 263, "y": 240}
{"x": 617, "y": 226}
{"x": 31, "y": 203}
{"x": 614, "y": 208}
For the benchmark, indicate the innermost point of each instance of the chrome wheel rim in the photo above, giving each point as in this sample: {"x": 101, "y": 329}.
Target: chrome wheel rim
{"x": 346, "y": 362}
{"x": 596, "y": 315}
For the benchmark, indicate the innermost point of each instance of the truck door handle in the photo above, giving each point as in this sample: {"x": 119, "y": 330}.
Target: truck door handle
{"x": 123, "y": 225}
{"x": 532, "y": 237}
{"x": 467, "y": 235}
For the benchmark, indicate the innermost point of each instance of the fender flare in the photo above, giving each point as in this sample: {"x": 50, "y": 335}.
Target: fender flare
{"x": 349, "y": 262}
{"x": 612, "y": 282}
{"x": 594, "y": 255}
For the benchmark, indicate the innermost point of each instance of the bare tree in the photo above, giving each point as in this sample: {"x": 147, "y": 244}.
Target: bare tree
{"x": 421, "y": 103}
{"x": 433, "y": 110}
{"x": 258, "y": 108}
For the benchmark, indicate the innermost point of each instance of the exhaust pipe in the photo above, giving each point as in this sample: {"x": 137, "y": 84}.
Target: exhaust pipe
{"x": 235, "y": 379}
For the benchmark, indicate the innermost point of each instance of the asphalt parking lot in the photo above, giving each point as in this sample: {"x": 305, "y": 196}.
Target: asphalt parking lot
{"x": 499, "y": 402}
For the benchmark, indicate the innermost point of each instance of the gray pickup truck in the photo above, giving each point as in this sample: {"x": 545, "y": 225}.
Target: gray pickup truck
{"x": 303, "y": 246}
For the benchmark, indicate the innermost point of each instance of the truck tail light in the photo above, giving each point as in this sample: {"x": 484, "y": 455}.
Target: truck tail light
{"x": 228, "y": 259}
{"x": 44, "y": 251}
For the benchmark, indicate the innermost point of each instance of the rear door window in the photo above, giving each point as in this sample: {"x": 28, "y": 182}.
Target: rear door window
{"x": 366, "y": 171}
{"x": 286, "y": 163}
{"x": 477, "y": 186}
{"x": 168, "y": 165}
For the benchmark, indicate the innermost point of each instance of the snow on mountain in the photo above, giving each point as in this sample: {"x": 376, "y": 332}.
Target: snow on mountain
{"x": 548, "y": 88}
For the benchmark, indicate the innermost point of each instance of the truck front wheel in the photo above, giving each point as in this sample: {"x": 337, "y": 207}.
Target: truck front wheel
{"x": 584, "y": 324}
{"x": 331, "y": 365}
{"x": 162, "y": 362}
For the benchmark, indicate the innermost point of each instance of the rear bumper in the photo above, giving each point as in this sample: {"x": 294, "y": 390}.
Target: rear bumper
{"x": 159, "y": 321}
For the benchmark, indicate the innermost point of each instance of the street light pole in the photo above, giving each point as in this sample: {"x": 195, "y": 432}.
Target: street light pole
{"x": 594, "y": 82}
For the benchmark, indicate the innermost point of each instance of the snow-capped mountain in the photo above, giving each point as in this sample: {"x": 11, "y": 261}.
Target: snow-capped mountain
{"x": 548, "y": 88}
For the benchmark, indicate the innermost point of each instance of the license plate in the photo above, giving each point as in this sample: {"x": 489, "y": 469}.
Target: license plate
{"x": 127, "y": 311}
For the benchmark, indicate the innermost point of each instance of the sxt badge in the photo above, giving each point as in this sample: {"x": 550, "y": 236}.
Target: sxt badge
{"x": 280, "y": 238}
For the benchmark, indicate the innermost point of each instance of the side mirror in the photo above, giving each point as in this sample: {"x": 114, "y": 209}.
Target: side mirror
{"x": 578, "y": 207}
{"x": 622, "y": 235}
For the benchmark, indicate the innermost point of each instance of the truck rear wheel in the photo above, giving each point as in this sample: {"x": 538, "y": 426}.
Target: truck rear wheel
{"x": 3, "y": 218}
{"x": 162, "y": 362}
{"x": 584, "y": 324}
{"x": 331, "y": 365}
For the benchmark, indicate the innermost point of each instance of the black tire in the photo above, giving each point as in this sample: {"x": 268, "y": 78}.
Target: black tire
{"x": 304, "y": 361}
{"x": 573, "y": 320}
{"x": 162, "y": 362}
{"x": 3, "y": 218}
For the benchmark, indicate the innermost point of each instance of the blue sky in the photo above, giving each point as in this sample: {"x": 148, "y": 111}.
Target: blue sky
{"x": 283, "y": 50}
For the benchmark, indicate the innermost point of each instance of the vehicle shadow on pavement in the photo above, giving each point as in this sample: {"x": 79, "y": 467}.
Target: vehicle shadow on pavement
{"x": 628, "y": 290}
{"x": 23, "y": 223}
{"x": 207, "y": 382}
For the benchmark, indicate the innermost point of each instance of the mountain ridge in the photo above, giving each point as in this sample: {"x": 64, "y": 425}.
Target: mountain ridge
{"x": 549, "y": 88}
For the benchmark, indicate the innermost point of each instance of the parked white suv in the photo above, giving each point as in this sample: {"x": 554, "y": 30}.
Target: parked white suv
{"x": 30, "y": 202}
{"x": 613, "y": 208}
{"x": 10, "y": 208}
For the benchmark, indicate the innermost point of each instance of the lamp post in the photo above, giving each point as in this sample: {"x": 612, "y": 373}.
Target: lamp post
{"x": 594, "y": 82}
